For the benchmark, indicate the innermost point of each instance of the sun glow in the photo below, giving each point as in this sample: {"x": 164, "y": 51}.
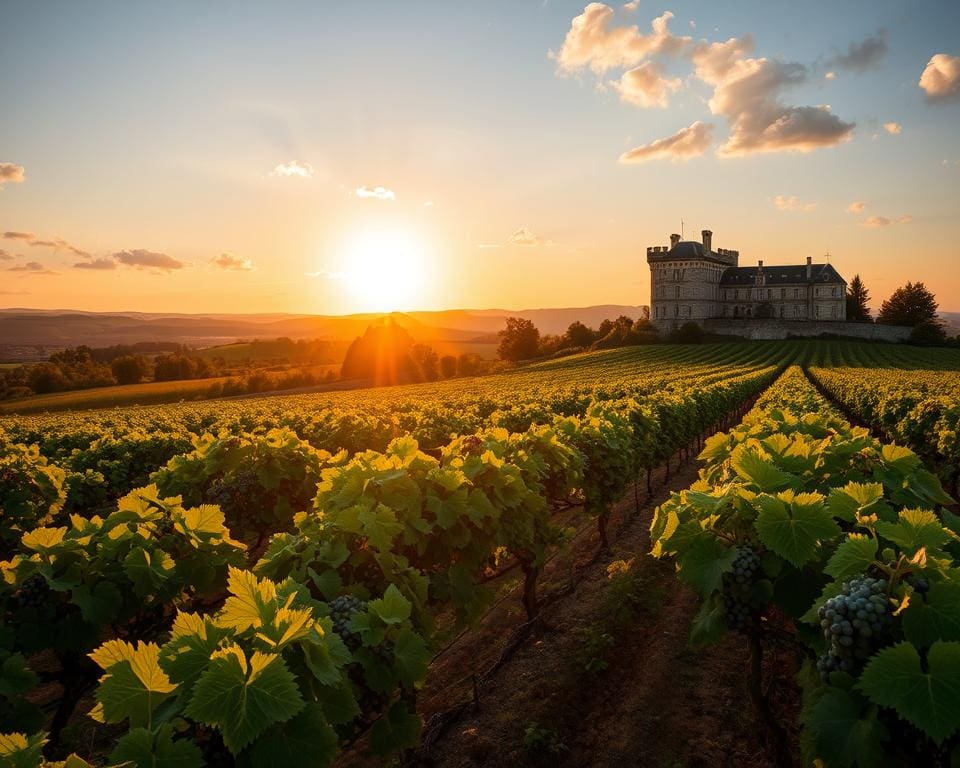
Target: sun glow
{"x": 384, "y": 270}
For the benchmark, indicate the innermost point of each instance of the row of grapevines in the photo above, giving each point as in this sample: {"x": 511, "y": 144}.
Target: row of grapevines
{"x": 327, "y": 633}
{"x": 922, "y": 409}
{"x": 797, "y": 514}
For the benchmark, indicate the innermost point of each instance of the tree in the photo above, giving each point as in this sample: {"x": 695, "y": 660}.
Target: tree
{"x": 519, "y": 340}
{"x": 426, "y": 361}
{"x": 688, "y": 333}
{"x": 857, "y": 298}
{"x": 911, "y": 305}
{"x": 381, "y": 354}
{"x": 579, "y": 335}
{"x": 129, "y": 369}
{"x": 448, "y": 366}
{"x": 928, "y": 334}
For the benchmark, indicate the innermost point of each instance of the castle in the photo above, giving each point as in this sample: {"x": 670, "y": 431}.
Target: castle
{"x": 690, "y": 281}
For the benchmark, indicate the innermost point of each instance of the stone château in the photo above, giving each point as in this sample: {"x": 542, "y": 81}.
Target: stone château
{"x": 689, "y": 281}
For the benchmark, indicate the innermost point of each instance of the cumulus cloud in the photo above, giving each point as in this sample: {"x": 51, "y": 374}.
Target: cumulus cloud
{"x": 11, "y": 173}
{"x": 646, "y": 86}
{"x": 862, "y": 56}
{"x": 688, "y": 142}
{"x": 631, "y": 6}
{"x": 858, "y": 206}
{"x": 377, "y": 193}
{"x": 592, "y": 42}
{"x": 941, "y": 78}
{"x": 524, "y": 237}
{"x": 893, "y": 128}
{"x": 293, "y": 168}
{"x": 792, "y": 203}
{"x": 4, "y": 256}
{"x": 96, "y": 264}
{"x": 31, "y": 267}
{"x": 144, "y": 259}
{"x": 874, "y": 222}
{"x": 236, "y": 263}
{"x": 19, "y": 236}
{"x": 747, "y": 92}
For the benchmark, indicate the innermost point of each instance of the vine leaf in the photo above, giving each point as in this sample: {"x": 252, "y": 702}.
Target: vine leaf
{"x": 243, "y": 699}
{"x": 133, "y": 686}
{"x": 928, "y": 699}
{"x": 141, "y": 747}
{"x": 934, "y": 617}
{"x": 307, "y": 740}
{"x": 398, "y": 729}
{"x": 844, "y": 731}
{"x": 855, "y": 554}
{"x": 794, "y": 525}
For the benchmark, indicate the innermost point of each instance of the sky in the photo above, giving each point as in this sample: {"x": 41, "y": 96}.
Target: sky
{"x": 320, "y": 157}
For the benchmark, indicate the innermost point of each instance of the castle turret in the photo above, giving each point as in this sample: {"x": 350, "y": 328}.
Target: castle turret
{"x": 707, "y": 240}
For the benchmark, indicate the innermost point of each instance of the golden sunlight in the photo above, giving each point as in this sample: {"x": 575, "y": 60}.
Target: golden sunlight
{"x": 384, "y": 269}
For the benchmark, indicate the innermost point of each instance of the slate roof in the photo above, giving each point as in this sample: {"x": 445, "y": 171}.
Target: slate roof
{"x": 690, "y": 249}
{"x": 781, "y": 275}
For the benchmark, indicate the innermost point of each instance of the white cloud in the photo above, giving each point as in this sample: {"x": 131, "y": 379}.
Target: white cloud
{"x": 688, "y": 142}
{"x": 893, "y": 128}
{"x": 592, "y": 42}
{"x": 99, "y": 264}
{"x": 941, "y": 78}
{"x": 524, "y": 237}
{"x": 11, "y": 173}
{"x": 144, "y": 259}
{"x": 792, "y": 203}
{"x": 830, "y": 76}
{"x": 377, "y": 193}
{"x": 858, "y": 206}
{"x": 231, "y": 262}
{"x": 875, "y": 222}
{"x": 646, "y": 86}
{"x": 747, "y": 91}
{"x": 293, "y": 168}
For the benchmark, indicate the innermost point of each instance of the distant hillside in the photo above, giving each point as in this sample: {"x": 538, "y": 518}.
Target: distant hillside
{"x": 31, "y": 334}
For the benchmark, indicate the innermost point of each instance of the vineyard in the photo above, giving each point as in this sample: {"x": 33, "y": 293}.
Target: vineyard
{"x": 270, "y": 581}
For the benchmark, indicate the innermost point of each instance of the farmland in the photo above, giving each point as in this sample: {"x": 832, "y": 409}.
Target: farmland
{"x": 342, "y": 557}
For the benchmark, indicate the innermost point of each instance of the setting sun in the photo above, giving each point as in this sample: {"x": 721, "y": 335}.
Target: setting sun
{"x": 383, "y": 269}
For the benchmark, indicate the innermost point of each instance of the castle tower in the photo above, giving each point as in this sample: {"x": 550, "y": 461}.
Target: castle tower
{"x": 685, "y": 279}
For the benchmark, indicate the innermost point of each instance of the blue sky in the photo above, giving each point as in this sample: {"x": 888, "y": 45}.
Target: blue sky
{"x": 156, "y": 129}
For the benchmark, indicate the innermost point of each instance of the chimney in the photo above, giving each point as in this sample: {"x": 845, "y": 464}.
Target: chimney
{"x": 674, "y": 239}
{"x": 760, "y": 265}
{"x": 809, "y": 267}
{"x": 707, "y": 239}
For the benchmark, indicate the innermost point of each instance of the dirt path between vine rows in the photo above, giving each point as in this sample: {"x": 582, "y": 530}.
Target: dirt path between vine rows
{"x": 658, "y": 703}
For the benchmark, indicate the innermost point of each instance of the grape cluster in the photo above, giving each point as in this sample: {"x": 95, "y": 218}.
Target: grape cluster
{"x": 32, "y": 592}
{"x": 854, "y": 623}
{"x": 341, "y": 611}
{"x": 241, "y": 498}
{"x": 919, "y": 584}
{"x": 738, "y": 588}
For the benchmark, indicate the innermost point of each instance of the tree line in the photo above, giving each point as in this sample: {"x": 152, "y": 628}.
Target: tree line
{"x": 912, "y": 305}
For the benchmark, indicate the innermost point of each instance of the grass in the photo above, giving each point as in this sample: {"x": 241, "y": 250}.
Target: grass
{"x": 151, "y": 393}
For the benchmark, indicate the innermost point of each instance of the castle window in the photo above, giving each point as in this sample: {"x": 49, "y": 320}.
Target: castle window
{"x": 686, "y": 311}
{"x": 796, "y": 310}
{"x": 833, "y": 313}
{"x": 833, "y": 292}
{"x": 781, "y": 310}
{"x": 676, "y": 310}
{"x": 783, "y": 293}
{"x": 677, "y": 290}
{"x": 796, "y": 293}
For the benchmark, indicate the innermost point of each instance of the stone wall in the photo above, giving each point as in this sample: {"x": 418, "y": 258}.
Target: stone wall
{"x": 780, "y": 329}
